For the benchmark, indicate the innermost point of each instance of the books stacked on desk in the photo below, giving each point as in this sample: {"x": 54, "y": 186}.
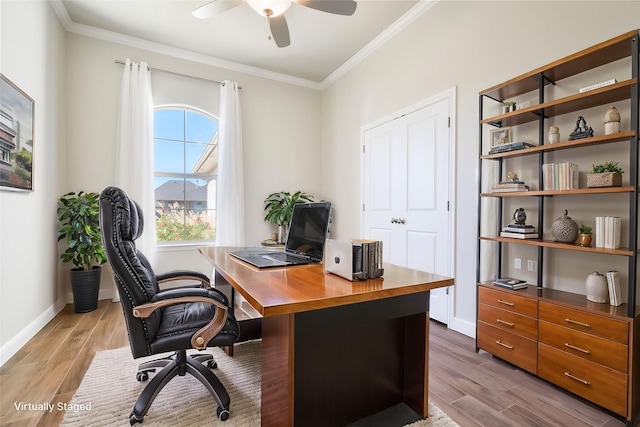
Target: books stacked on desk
{"x": 509, "y": 186}
{"x": 519, "y": 231}
{"x": 510, "y": 283}
{"x": 367, "y": 259}
{"x": 510, "y": 146}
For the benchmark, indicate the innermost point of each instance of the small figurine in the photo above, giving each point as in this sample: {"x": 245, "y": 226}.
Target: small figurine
{"x": 512, "y": 176}
{"x": 581, "y": 132}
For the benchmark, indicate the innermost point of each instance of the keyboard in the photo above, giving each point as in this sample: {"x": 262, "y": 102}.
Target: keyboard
{"x": 284, "y": 257}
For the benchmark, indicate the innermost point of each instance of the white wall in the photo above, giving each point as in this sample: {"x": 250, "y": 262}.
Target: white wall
{"x": 473, "y": 46}
{"x": 281, "y": 125}
{"x": 33, "y": 56}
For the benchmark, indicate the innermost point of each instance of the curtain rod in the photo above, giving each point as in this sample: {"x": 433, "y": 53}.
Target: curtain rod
{"x": 179, "y": 74}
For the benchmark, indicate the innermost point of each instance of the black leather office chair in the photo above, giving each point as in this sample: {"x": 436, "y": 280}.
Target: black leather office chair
{"x": 161, "y": 321}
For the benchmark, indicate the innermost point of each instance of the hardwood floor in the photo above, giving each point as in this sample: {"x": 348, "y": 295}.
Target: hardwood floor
{"x": 475, "y": 389}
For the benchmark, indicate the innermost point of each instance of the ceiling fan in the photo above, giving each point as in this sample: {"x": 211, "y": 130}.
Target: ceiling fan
{"x": 274, "y": 11}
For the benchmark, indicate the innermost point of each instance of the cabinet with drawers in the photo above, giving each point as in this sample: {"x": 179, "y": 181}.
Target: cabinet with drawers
{"x": 586, "y": 348}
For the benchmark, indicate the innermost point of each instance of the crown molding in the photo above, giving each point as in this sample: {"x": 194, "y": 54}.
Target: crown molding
{"x": 402, "y": 22}
{"x": 97, "y": 33}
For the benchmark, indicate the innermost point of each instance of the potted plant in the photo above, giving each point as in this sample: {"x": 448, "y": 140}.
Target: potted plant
{"x": 607, "y": 174}
{"x": 584, "y": 236}
{"x": 279, "y": 207}
{"x": 79, "y": 227}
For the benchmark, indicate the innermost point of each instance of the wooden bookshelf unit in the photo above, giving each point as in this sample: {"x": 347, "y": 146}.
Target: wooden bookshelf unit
{"x": 589, "y": 349}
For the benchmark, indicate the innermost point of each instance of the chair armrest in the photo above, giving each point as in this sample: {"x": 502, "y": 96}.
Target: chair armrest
{"x": 184, "y": 275}
{"x": 200, "y": 339}
{"x": 175, "y": 292}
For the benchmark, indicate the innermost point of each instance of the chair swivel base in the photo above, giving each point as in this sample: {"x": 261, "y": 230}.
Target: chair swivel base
{"x": 179, "y": 364}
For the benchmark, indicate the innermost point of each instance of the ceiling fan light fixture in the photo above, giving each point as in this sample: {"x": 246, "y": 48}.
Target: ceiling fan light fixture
{"x": 270, "y": 8}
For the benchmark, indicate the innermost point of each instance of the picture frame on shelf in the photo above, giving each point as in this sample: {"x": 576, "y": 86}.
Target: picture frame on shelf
{"x": 17, "y": 113}
{"x": 500, "y": 136}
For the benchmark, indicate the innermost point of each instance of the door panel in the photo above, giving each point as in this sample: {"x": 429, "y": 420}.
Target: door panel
{"x": 406, "y": 192}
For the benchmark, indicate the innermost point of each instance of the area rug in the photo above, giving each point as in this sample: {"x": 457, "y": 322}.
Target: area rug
{"x": 109, "y": 390}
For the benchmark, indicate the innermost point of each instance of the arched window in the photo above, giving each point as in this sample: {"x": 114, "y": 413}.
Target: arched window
{"x": 185, "y": 170}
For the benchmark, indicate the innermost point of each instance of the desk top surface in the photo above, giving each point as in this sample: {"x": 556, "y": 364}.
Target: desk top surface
{"x": 293, "y": 289}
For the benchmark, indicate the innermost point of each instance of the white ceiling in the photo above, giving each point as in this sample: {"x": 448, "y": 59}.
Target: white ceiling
{"x": 322, "y": 44}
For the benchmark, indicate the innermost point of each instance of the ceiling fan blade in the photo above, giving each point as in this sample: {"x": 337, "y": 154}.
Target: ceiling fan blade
{"x": 338, "y": 7}
{"x": 279, "y": 31}
{"x": 215, "y": 7}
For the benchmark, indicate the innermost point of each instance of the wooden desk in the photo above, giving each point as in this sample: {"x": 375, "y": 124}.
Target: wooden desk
{"x": 335, "y": 351}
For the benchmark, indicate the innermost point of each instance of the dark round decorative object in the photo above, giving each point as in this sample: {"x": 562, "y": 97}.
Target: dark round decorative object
{"x": 564, "y": 229}
{"x": 519, "y": 216}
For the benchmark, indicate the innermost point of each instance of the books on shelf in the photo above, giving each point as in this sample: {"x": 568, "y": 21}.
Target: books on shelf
{"x": 510, "y": 146}
{"x": 510, "y": 283}
{"x": 517, "y": 235}
{"x": 598, "y": 85}
{"x": 515, "y": 228}
{"x": 560, "y": 176}
{"x": 500, "y": 189}
{"x": 509, "y": 186}
{"x": 608, "y": 232}
{"x": 367, "y": 259}
{"x": 613, "y": 282}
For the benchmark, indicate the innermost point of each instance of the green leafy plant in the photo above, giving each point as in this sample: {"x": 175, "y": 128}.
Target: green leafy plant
{"x": 79, "y": 216}
{"x": 585, "y": 229}
{"x": 279, "y": 206}
{"x": 607, "y": 167}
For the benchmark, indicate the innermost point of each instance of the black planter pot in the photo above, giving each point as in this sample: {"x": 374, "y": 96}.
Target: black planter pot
{"x": 85, "y": 286}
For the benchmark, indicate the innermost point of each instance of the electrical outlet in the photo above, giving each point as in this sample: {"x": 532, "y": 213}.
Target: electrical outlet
{"x": 517, "y": 264}
{"x": 532, "y": 265}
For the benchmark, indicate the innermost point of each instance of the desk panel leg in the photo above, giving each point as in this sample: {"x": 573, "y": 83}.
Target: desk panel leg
{"x": 416, "y": 374}
{"x": 277, "y": 371}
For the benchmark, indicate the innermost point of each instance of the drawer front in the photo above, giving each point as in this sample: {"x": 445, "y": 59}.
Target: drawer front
{"x": 603, "y": 386}
{"x": 509, "y": 301}
{"x": 509, "y": 321}
{"x": 604, "y": 327}
{"x": 513, "y": 348}
{"x": 589, "y": 347}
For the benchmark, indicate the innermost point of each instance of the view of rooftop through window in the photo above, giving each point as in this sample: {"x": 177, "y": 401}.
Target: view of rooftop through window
{"x": 185, "y": 164}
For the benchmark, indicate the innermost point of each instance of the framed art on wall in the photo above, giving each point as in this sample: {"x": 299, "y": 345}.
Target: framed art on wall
{"x": 16, "y": 137}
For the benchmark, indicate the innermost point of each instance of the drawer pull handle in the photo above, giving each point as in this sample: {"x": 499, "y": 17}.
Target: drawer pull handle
{"x": 504, "y": 322}
{"x": 586, "y": 325}
{"x": 577, "y": 348}
{"x": 585, "y": 382}
{"x": 510, "y": 347}
{"x": 510, "y": 304}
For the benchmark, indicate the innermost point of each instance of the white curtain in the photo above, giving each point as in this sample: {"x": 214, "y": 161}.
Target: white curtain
{"x": 134, "y": 148}
{"x": 230, "y": 197}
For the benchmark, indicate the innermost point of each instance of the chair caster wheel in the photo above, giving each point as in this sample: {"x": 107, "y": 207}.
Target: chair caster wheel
{"x": 211, "y": 364}
{"x": 134, "y": 419}
{"x": 223, "y": 414}
{"x": 142, "y": 376}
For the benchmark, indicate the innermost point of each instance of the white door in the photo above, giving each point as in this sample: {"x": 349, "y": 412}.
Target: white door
{"x": 406, "y": 193}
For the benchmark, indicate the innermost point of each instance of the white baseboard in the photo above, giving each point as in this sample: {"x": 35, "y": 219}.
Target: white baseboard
{"x": 19, "y": 340}
{"x": 103, "y": 294}
{"x": 464, "y": 327}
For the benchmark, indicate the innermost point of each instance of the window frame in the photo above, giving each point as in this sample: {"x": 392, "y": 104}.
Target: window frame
{"x": 185, "y": 109}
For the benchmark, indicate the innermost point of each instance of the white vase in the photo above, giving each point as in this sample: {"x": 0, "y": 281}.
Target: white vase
{"x": 597, "y": 288}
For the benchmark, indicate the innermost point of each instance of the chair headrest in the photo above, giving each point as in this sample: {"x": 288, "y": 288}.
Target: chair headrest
{"x": 128, "y": 220}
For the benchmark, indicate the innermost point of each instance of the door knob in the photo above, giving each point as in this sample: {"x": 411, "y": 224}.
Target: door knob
{"x": 400, "y": 220}
{"x": 394, "y": 220}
